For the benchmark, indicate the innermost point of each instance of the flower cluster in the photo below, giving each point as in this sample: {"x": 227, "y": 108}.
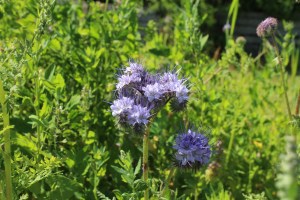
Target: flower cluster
{"x": 193, "y": 150}
{"x": 140, "y": 94}
{"x": 266, "y": 27}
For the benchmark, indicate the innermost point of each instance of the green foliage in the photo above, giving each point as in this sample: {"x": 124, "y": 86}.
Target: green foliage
{"x": 59, "y": 61}
{"x": 128, "y": 174}
{"x": 256, "y": 196}
{"x": 219, "y": 193}
{"x": 287, "y": 182}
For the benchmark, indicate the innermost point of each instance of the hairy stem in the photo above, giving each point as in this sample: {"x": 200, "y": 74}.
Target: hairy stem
{"x": 145, "y": 160}
{"x": 282, "y": 76}
{"x": 7, "y": 147}
{"x": 298, "y": 104}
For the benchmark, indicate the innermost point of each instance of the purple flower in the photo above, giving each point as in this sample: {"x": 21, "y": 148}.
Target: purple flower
{"x": 193, "y": 150}
{"x": 127, "y": 80}
{"x": 181, "y": 93}
{"x": 226, "y": 27}
{"x": 266, "y": 27}
{"x": 168, "y": 80}
{"x": 168, "y": 77}
{"x": 138, "y": 115}
{"x": 140, "y": 93}
{"x": 153, "y": 92}
{"x": 120, "y": 106}
{"x": 134, "y": 68}
{"x": 171, "y": 83}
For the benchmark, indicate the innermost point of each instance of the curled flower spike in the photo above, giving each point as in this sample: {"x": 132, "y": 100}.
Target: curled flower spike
{"x": 192, "y": 150}
{"x": 266, "y": 27}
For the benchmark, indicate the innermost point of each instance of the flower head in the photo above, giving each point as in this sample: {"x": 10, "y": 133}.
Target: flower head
{"x": 127, "y": 79}
{"x": 140, "y": 94}
{"x": 138, "y": 115}
{"x": 193, "y": 150}
{"x": 134, "y": 68}
{"x": 169, "y": 77}
{"x": 266, "y": 27}
{"x": 153, "y": 91}
{"x": 120, "y": 106}
{"x": 181, "y": 92}
{"x": 226, "y": 27}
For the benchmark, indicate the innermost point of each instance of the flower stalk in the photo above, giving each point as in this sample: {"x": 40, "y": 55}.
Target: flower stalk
{"x": 267, "y": 28}
{"x": 145, "y": 160}
{"x": 7, "y": 144}
{"x": 282, "y": 76}
{"x": 37, "y": 112}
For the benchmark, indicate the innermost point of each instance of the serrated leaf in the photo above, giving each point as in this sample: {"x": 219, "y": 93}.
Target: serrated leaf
{"x": 48, "y": 85}
{"x": 62, "y": 187}
{"x": 139, "y": 185}
{"x": 5, "y": 129}
{"x": 102, "y": 196}
{"x": 127, "y": 177}
{"x": 25, "y": 143}
{"x": 118, "y": 194}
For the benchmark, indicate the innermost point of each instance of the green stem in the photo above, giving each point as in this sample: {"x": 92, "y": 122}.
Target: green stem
{"x": 167, "y": 181}
{"x": 230, "y": 146}
{"x": 298, "y": 104}
{"x": 7, "y": 145}
{"x": 196, "y": 194}
{"x": 37, "y": 112}
{"x": 145, "y": 160}
{"x": 282, "y": 77}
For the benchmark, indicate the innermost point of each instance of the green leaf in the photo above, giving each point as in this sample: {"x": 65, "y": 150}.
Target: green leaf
{"x": 5, "y": 129}
{"x": 59, "y": 82}
{"x": 55, "y": 45}
{"x": 162, "y": 51}
{"x": 36, "y": 120}
{"x": 203, "y": 40}
{"x": 90, "y": 137}
{"x": 75, "y": 100}
{"x": 139, "y": 185}
{"x": 118, "y": 194}
{"x": 45, "y": 109}
{"x": 49, "y": 72}
{"x": 62, "y": 187}
{"x": 48, "y": 85}
{"x": 25, "y": 143}
{"x": 138, "y": 167}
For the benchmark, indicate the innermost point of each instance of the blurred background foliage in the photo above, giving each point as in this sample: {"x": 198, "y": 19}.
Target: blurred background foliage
{"x": 59, "y": 63}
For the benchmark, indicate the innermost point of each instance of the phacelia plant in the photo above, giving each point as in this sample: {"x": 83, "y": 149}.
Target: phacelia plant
{"x": 140, "y": 95}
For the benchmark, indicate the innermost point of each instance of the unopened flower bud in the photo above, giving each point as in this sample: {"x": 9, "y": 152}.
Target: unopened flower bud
{"x": 266, "y": 27}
